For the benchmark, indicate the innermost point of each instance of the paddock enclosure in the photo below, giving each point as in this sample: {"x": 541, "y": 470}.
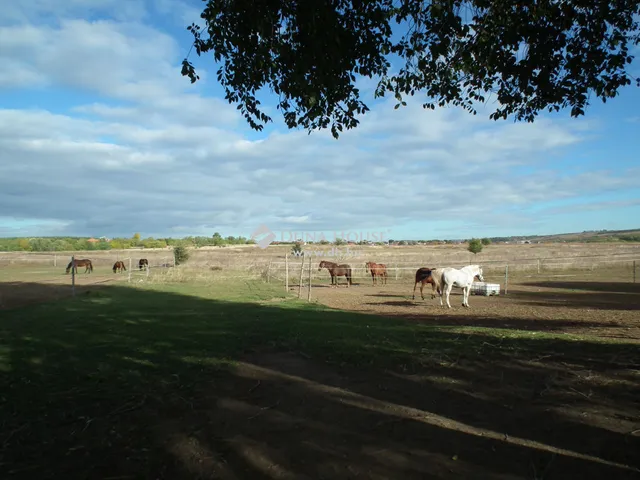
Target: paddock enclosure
{"x": 229, "y": 367}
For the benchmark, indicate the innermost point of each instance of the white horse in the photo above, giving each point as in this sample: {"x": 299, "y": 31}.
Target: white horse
{"x": 463, "y": 278}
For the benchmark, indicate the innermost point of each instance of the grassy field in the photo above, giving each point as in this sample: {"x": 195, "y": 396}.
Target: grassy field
{"x": 247, "y": 256}
{"x": 207, "y": 379}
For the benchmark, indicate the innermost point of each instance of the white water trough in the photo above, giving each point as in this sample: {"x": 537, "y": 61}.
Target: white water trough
{"x": 485, "y": 289}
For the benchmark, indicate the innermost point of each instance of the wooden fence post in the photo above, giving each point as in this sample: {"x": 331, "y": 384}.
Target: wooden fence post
{"x": 55, "y": 260}
{"x": 300, "y": 281}
{"x": 506, "y": 279}
{"x": 269, "y": 272}
{"x": 73, "y": 275}
{"x": 538, "y": 266}
{"x": 634, "y": 271}
{"x": 396, "y": 271}
{"x": 286, "y": 272}
{"x": 309, "y": 291}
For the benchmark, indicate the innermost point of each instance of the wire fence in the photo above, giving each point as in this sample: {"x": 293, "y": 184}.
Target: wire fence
{"x": 623, "y": 268}
{"x": 294, "y": 271}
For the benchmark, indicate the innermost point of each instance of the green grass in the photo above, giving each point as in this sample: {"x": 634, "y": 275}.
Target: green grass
{"x": 163, "y": 325}
{"x": 82, "y": 361}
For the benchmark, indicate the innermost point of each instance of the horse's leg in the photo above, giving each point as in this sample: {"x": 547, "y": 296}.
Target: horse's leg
{"x": 448, "y": 288}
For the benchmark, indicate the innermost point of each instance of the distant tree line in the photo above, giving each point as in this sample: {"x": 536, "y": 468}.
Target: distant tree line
{"x": 64, "y": 244}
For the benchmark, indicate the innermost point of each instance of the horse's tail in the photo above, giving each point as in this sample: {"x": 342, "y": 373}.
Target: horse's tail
{"x": 125, "y": 268}
{"x": 438, "y": 279}
{"x": 349, "y": 276}
{"x": 90, "y": 266}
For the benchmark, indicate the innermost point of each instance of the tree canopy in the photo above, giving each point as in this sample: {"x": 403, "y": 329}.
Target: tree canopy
{"x": 530, "y": 55}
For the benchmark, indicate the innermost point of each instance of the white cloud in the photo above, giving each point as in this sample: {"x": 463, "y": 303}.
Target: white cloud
{"x": 154, "y": 154}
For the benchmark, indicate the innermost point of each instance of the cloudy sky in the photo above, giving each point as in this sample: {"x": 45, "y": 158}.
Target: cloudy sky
{"x": 101, "y": 135}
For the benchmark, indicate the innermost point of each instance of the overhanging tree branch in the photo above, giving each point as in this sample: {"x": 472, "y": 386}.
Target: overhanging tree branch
{"x": 452, "y": 51}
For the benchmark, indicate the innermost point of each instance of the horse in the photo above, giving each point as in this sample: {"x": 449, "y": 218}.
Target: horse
{"x": 336, "y": 271}
{"x": 143, "y": 262}
{"x": 377, "y": 270}
{"x": 463, "y": 278}
{"x": 85, "y": 262}
{"x": 425, "y": 275}
{"x": 119, "y": 266}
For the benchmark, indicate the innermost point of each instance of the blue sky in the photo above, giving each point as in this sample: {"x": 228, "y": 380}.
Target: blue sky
{"x": 101, "y": 135}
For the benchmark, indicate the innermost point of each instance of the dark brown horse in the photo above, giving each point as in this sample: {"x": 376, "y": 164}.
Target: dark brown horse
{"x": 85, "y": 262}
{"x": 336, "y": 271}
{"x": 377, "y": 270}
{"x": 143, "y": 262}
{"x": 424, "y": 276}
{"x": 119, "y": 266}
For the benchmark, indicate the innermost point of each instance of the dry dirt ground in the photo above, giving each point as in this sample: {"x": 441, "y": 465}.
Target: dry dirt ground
{"x": 606, "y": 309}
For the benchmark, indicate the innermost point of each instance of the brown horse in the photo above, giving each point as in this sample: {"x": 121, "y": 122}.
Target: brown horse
{"x": 425, "y": 275}
{"x": 119, "y": 266}
{"x": 85, "y": 262}
{"x": 143, "y": 262}
{"x": 336, "y": 271}
{"x": 377, "y": 270}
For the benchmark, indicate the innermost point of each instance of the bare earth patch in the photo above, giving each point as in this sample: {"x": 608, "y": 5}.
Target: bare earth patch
{"x": 603, "y": 309}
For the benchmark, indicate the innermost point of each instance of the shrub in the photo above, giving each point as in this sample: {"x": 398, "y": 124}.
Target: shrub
{"x": 180, "y": 254}
{"x": 475, "y": 245}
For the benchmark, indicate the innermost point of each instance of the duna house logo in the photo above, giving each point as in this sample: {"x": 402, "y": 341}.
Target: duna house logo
{"x": 263, "y": 236}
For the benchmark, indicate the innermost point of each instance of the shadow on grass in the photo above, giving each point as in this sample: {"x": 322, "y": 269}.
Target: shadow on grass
{"x": 161, "y": 384}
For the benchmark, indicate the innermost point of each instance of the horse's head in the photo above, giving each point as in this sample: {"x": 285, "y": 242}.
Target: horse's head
{"x": 321, "y": 266}
{"x": 479, "y": 274}
{"x": 366, "y": 265}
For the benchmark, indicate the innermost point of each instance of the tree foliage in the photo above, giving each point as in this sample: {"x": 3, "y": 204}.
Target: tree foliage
{"x": 180, "y": 254}
{"x": 296, "y": 248}
{"x": 475, "y": 245}
{"x": 532, "y": 55}
{"x": 486, "y": 241}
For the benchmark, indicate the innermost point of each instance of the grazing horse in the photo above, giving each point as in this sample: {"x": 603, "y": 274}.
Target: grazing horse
{"x": 425, "y": 275}
{"x": 85, "y": 262}
{"x": 336, "y": 271}
{"x": 143, "y": 262}
{"x": 463, "y": 278}
{"x": 119, "y": 266}
{"x": 377, "y": 270}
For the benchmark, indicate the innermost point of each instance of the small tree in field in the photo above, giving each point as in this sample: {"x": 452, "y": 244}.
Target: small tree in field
{"x": 180, "y": 254}
{"x": 486, "y": 241}
{"x": 475, "y": 245}
{"x": 296, "y": 249}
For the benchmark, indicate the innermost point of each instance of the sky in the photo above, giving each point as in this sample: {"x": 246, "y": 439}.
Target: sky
{"x": 100, "y": 135}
